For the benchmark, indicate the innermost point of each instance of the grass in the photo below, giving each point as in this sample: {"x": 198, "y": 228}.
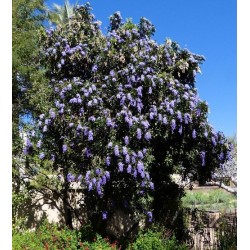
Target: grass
{"x": 210, "y": 199}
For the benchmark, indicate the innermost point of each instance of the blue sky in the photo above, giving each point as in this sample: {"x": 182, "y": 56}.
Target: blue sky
{"x": 206, "y": 27}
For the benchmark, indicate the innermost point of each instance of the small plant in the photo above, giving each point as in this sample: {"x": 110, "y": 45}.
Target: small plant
{"x": 227, "y": 235}
{"x": 50, "y": 236}
{"x": 151, "y": 240}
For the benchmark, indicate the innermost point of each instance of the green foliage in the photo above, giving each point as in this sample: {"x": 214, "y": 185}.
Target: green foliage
{"x": 227, "y": 235}
{"x": 209, "y": 200}
{"x": 151, "y": 240}
{"x": 27, "y": 17}
{"x": 61, "y": 15}
{"x": 50, "y": 236}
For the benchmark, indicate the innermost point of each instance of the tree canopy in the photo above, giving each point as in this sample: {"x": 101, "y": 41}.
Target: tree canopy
{"x": 125, "y": 116}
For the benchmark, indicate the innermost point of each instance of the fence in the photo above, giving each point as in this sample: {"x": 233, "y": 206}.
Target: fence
{"x": 209, "y": 230}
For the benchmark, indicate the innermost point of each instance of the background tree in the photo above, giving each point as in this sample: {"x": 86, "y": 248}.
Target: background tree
{"x": 61, "y": 14}
{"x": 228, "y": 171}
{"x": 125, "y": 116}
{"x": 29, "y": 85}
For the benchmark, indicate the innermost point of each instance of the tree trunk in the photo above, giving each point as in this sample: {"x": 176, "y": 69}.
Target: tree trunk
{"x": 222, "y": 185}
{"x": 67, "y": 210}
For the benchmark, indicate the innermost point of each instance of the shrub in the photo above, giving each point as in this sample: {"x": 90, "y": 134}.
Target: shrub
{"x": 151, "y": 240}
{"x": 126, "y": 115}
{"x": 50, "y": 236}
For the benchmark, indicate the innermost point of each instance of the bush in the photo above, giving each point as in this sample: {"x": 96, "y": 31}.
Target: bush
{"x": 227, "y": 235}
{"x": 151, "y": 240}
{"x": 49, "y": 236}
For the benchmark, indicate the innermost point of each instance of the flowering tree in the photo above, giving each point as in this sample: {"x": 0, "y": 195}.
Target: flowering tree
{"x": 126, "y": 116}
{"x": 227, "y": 171}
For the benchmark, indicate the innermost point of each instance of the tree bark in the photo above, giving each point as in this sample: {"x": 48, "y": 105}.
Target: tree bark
{"x": 221, "y": 185}
{"x": 67, "y": 210}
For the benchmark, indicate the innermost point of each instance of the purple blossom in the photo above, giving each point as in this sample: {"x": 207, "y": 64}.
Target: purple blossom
{"x": 141, "y": 192}
{"x": 127, "y": 158}
{"x": 70, "y": 177}
{"x": 124, "y": 150}
{"x": 147, "y": 136}
{"x": 140, "y": 167}
{"x": 194, "y": 134}
{"x": 139, "y": 91}
{"x": 39, "y": 143}
{"x": 140, "y": 154}
{"x": 98, "y": 171}
{"x": 151, "y": 115}
{"x": 180, "y": 130}
{"x": 109, "y": 122}
{"x": 52, "y": 114}
{"x": 214, "y": 141}
{"x": 221, "y": 156}
{"x": 150, "y": 216}
{"x": 145, "y": 124}
{"x": 116, "y": 150}
{"x": 203, "y": 154}
{"x": 104, "y": 179}
{"x": 79, "y": 127}
{"x": 126, "y": 140}
{"x": 79, "y": 178}
{"x": 173, "y": 124}
{"x": 151, "y": 184}
{"x": 94, "y": 68}
{"x": 45, "y": 128}
{"x": 110, "y": 144}
{"x": 47, "y": 121}
{"x": 175, "y": 92}
{"x": 99, "y": 189}
{"x": 87, "y": 176}
{"x": 129, "y": 168}
{"x": 108, "y": 160}
{"x": 104, "y": 215}
{"x": 187, "y": 118}
{"x": 42, "y": 155}
{"x": 73, "y": 100}
{"x": 198, "y": 112}
{"x": 88, "y": 152}
{"x": 129, "y": 97}
{"x": 64, "y": 148}
{"x": 112, "y": 73}
{"x": 90, "y": 135}
{"x": 94, "y": 180}
{"x": 179, "y": 116}
{"x": 90, "y": 186}
{"x": 107, "y": 174}
{"x": 138, "y": 134}
{"x": 165, "y": 121}
{"x": 135, "y": 173}
{"x": 150, "y": 90}
{"x": 120, "y": 167}
{"x": 52, "y": 157}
